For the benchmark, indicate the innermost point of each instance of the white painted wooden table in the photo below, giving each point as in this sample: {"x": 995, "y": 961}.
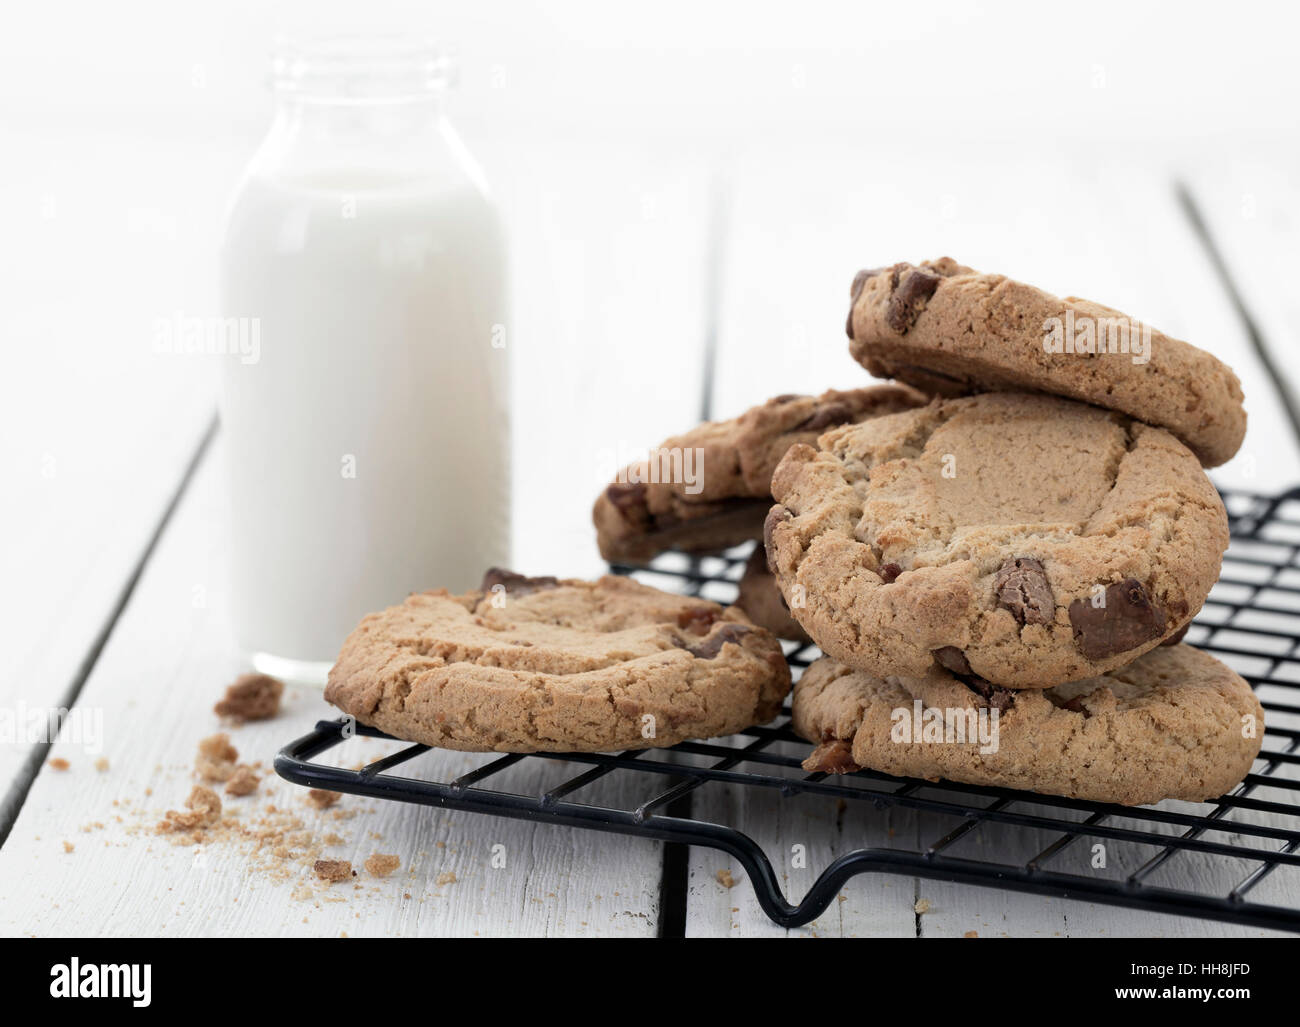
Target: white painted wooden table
{"x": 628, "y": 265}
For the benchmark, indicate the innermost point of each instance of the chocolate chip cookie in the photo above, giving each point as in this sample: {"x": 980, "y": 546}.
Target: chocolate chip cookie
{"x": 951, "y": 331}
{"x": 548, "y": 665}
{"x": 762, "y": 600}
{"x": 730, "y": 463}
{"x": 1175, "y": 724}
{"x": 1021, "y": 538}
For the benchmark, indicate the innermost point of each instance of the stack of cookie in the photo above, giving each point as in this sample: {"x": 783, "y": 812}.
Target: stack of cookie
{"x": 1029, "y": 557}
{"x": 1020, "y": 531}
{"x": 998, "y": 554}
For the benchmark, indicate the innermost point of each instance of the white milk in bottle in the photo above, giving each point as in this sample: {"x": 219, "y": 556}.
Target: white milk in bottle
{"x": 367, "y": 435}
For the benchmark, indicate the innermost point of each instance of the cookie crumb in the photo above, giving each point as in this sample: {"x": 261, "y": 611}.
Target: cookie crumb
{"x": 243, "y": 781}
{"x": 922, "y": 906}
{"x": 251, "y": 697}
{"x": 68, "y": 846}
{"x": 101, "y": 764}
{"x": 725, "y": 879}
{"x": 216, "y": 758}
{"x": 333, "y": 869}
{"x": 381, "y": 865}
{"x": 322, "y": 798}
{"x": 204, "y": 810}
{"x": 971, "y": 934}
{"x": 59, "y": 763}
{"x": 447, "y": 877}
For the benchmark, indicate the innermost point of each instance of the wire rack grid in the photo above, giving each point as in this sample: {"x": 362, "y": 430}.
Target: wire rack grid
{"x": 1245, "y": 843}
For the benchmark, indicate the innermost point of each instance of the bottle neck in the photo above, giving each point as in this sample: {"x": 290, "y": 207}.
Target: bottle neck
{"x": 357, "y": 106}
{"x": 354, "y": 92}
{"x": 343, "y": 121}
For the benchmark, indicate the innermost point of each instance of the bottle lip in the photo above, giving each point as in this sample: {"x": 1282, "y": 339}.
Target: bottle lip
{"x": 361, "y": 69}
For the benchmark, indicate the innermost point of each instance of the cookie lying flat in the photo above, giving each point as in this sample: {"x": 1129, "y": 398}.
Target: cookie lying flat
{"x": 951, "y": 331}
{"x": 1176, "y": 724}
{"x": 731, "y": 465}
{"x": 762, "y": 600}
{"x": 546, "y": 665}
{"x": 1025, "y": 539}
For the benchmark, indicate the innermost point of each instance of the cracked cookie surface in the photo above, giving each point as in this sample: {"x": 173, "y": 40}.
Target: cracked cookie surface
{"x": 1176, "y": 723}
{"x": 639, "y": 518}
{"x": 1033, "y": 539}
{"x": 952, "y": 331}
{"x": 547, "y": 665}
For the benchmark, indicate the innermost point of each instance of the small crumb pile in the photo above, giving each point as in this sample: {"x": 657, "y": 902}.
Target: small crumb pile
{"x": 251, "y": 697}
{"x": 204, "y": 811}
{"x": 333, "y": 870}
{"x": 216, "y": 762}
{"x": 381, "y": 864}
{"x": 278, "y": 841}
{"x": 725, "y": 879}
{"x": 216, "y": 759}
{"x": 242, "y": 782}
{"x": 283, "y": 844}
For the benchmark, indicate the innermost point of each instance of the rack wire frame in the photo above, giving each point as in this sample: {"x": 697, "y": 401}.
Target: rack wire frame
{"x": 1252, "y": 621}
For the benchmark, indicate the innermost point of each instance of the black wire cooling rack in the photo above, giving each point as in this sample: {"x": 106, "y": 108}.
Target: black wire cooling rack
{"x": 1243, "y": 844}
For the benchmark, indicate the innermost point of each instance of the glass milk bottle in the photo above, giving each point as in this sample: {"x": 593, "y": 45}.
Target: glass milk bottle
{"x": 367, "y": 434}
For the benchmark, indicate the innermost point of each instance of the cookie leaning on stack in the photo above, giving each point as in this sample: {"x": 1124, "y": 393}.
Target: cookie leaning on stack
{"x": 641, "y": 515}
{"x": 1010, "y": 550}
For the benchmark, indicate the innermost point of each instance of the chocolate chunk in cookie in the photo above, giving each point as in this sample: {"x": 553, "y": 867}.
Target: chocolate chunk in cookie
{"x": 1022, "y": 587}
{"x": 997, "y": 697}
{"x": 712, "y": 646}
{"x": 859, "y": 280}
{"x": 698, "y": 619}
{"x": 1125, "y": 619}
{"x": 910, "y": 287}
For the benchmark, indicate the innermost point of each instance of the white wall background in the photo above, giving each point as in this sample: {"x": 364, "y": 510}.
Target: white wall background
{"x": 1016, "y": 72}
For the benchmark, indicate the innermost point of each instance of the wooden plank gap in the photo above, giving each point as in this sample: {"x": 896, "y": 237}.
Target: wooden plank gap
{"x": 1248, "y": 322}
{"x": 17, "y": 793}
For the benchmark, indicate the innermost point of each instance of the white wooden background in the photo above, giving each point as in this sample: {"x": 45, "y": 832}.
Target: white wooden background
{"x": 627, "y": 259}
